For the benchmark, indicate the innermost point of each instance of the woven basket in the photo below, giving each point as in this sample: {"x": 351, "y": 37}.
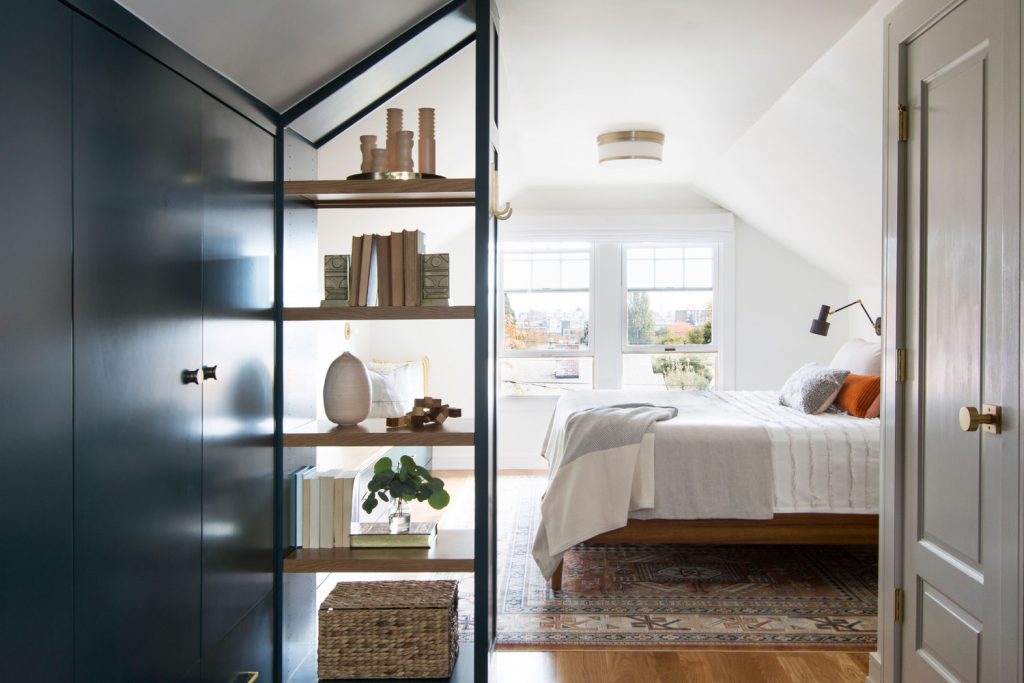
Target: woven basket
{"x": 389, "y": 629}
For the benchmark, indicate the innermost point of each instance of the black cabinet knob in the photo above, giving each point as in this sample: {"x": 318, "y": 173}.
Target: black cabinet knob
{"x": 209, "y": 372}
{"x": 190, "y": 376}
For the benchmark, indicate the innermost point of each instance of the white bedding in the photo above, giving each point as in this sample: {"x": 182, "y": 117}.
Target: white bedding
{"x": 819, "y": 463}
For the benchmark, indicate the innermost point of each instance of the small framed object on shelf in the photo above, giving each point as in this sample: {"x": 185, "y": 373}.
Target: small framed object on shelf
{"x": 336, "y": 280}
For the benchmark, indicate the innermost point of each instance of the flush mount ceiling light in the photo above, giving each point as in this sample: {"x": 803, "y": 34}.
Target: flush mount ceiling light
{"x": 630, "y": 148}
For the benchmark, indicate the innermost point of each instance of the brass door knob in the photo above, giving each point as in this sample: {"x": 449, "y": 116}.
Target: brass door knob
{"x": 190, "y": 376}
{"x": 988, "y": 418}
{"x": 209, "y": 372}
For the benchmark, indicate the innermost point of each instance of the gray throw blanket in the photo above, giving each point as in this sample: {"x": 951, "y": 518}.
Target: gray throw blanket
{"x": 587, "y": 496}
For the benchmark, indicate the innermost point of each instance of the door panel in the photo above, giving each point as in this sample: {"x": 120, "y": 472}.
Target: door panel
{"x": 138, "y": 476}
{"x": 957, "y": 590}
{"x": 238, "y": 338}
{"x": 35, "y": 342}
{"x": 952, "y": 120}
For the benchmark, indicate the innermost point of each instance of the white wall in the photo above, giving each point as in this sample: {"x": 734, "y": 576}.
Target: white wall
{"x": 778, "y": 293}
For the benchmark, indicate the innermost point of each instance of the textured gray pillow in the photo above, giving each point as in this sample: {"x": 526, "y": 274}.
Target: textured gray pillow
{"x": 812, "y": 388}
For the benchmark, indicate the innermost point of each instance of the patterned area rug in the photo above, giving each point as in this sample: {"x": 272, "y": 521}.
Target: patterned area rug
{"x": 751, "y": 597}
{"x": 663, "y": 596}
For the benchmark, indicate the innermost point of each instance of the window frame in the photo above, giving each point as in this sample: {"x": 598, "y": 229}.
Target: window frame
{"x": 716, "y": 301}
{"x": 504, "y": 249}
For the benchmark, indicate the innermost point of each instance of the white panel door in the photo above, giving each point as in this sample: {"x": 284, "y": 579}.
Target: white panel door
{"x": 962, "y": 330}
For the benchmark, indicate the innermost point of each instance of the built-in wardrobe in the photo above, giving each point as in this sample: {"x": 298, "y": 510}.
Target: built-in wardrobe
{"x": 137, "y": 343}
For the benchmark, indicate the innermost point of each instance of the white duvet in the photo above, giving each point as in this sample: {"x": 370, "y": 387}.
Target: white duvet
{"x": 817, "y": 463}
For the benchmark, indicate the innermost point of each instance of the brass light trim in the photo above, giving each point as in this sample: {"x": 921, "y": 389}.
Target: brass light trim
{"x": 631, "y": 136}
{"x": 642, "y": 146}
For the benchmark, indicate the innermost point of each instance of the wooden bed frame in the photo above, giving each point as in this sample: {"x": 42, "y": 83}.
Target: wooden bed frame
{"x": 795, "y": 528}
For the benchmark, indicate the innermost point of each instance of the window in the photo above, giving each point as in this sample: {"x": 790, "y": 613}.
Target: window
{"x": 545, "y": 341}
{"x": 613, "y": 315}
{"x": 669, "y": 332}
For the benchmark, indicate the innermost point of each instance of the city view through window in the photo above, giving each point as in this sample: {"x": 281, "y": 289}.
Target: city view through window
{"x": 668, "y": 301}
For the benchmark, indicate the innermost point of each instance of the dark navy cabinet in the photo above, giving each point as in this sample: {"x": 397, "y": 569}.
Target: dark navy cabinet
{"x": 137, "y": 344}
{"x": 238, "y": 357}
{"x": 36, "y": 597}
{"x": 138, "y": 212}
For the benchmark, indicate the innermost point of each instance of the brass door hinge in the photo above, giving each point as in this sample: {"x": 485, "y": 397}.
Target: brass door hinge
{"x": 898, "y": 605}
{"x": 903, "y": 131}
{"x": 901, "y": 365}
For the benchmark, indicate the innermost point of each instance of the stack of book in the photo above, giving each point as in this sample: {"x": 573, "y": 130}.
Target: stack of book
{"x": 378, "y": 535}
{"x": 387, "y": 270}
{"x": 323, "y": 508}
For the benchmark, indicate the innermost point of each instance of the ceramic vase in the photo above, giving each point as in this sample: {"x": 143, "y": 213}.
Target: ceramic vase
{"x": 347, "y": 390}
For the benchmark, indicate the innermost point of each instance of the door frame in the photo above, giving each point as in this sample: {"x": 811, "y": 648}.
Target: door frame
{"x": 909, "y": 20}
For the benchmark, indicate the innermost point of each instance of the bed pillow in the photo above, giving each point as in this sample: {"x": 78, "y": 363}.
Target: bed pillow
{"x": 391, "y": 389}
{"x": 421, "y": 371}
{"x": 876, "y": 408}
{"x": 812, "y": 388}
{"x": 858, "y": 394}
{"x": 859, "y": 356}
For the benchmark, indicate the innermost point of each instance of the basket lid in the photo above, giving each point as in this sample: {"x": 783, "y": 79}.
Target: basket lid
{"x": 391, "y": 595}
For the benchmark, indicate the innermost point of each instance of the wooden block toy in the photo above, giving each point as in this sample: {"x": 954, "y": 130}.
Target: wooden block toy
{"x": 426, "y": 411}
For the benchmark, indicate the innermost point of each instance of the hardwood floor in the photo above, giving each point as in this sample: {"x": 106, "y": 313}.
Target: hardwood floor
{"x": 664, "y": 666}
{"x": 678, "y": 667}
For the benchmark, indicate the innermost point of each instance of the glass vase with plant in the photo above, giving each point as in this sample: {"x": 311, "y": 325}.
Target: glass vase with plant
{"x": 400, "y": 485}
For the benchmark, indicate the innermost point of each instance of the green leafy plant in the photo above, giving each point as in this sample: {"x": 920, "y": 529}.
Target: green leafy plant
{"x": 409, "y": 482}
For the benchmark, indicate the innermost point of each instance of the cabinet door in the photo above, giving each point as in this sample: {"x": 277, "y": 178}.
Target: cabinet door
{"x": 35, "y": 342}
{"x": 137, "y": 316}
{"x": 238, "y": 338}
{"x": 246, "y": 650}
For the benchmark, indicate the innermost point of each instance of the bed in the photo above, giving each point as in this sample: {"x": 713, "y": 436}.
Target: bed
{"x": 728, "y": 467}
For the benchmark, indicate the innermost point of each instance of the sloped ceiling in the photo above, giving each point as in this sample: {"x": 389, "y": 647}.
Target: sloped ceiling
{"x": 701, "y": 71}
{"x": 809, "y": 172}
{"x": 277, "y": 50}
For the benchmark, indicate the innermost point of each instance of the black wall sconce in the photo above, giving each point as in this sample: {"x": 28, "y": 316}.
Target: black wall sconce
{"x": 821, "y": 324}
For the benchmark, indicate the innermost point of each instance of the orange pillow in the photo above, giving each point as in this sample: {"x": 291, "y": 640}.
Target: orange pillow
{"x": 858, "y": 394}
{"x": 876, "y": 408}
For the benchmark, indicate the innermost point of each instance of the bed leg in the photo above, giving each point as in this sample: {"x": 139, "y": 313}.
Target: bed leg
{"x": 556, "y": 578}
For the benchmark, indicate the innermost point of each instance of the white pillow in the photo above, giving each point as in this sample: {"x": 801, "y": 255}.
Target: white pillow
{"x": 392, "y": 388}
{"x": 860, "y": 357}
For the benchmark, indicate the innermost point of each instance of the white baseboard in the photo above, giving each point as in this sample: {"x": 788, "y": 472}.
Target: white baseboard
{"x": 464, "y": 461}
{"x": 452, "y": 461}
{"x": 874, "y": 668}
{"x": 522, "y": 462}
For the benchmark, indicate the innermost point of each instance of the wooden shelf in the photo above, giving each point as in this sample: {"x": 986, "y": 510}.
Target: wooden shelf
{"x": 456, "y": 431}
{"x": 378, "y": 194}
{"x": 380, "y": 313}
{"x": 452, "y": 552}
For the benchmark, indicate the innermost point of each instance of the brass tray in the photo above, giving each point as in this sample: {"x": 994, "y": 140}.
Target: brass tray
{"x": 394, "y": 175}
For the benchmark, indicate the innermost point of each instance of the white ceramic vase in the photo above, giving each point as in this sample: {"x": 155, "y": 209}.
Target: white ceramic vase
{"x": 347, "y": 390}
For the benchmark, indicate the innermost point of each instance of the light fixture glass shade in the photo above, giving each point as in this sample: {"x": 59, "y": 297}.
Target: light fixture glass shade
{"x": 630, "y": 148}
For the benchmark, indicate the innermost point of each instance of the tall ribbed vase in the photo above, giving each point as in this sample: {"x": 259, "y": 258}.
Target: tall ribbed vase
{"x": 347, "y": 390}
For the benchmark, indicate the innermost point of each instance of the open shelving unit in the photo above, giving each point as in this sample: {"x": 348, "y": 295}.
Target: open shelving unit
{"x": 310, "y": 124}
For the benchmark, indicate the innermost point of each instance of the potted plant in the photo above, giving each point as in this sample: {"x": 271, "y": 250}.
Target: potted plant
{"x": 401, "y": 485}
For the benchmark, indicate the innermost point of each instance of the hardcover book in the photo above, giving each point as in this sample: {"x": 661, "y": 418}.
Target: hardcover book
{"x": 412, "y": 241}
{"x": 397, "y": 253}
{"x": 377, "y": 535}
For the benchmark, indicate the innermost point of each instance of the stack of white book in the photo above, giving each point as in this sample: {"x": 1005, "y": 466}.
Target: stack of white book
{"x": 323, "y": 508}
